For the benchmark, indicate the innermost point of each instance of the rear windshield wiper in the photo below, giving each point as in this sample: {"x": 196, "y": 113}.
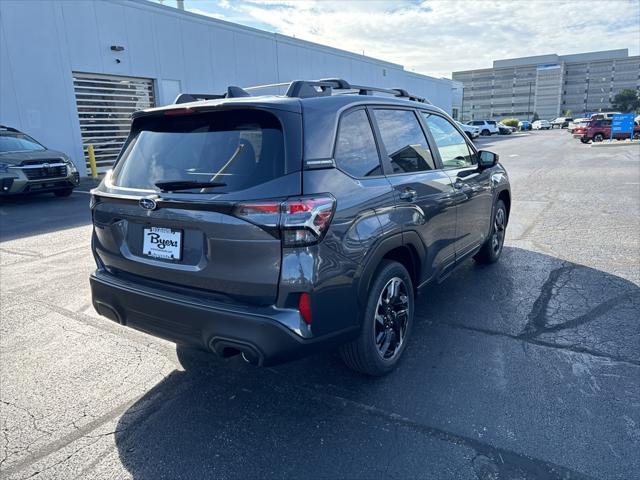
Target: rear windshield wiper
{"x": 172, "y": 186}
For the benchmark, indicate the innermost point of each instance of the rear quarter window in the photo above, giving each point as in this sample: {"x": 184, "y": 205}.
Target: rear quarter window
{"x": 238, "y": 149}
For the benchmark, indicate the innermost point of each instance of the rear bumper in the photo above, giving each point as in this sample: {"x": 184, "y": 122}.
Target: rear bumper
{"x": 263, "y": 334}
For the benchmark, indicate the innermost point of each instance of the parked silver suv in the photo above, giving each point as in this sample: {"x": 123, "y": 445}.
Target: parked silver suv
{"x": 27, "y": 166}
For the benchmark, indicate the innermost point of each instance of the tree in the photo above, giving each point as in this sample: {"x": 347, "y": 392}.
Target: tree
{"x": 535, "y": 117}
{"x": 568, "y": 113}
{"x": 626, "y": 101}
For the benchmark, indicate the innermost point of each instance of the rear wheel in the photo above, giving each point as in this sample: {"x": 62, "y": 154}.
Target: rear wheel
{"x": 598, "y": 137}
{"x": 492, "y": 248}
{"x": 63, "y": 193}
{"x": 386, "y": 323}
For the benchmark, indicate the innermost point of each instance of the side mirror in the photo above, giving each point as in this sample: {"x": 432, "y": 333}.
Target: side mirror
{"x": 487, "y": 159}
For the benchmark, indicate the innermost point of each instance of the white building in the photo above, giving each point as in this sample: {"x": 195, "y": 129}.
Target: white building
{"x": 72, "y": 72}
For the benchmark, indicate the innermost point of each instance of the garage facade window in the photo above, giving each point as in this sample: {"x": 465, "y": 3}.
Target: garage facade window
{"x": 105, "y": 104}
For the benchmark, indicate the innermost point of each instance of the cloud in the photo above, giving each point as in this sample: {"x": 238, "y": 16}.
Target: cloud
{"x": 437, "y": 37}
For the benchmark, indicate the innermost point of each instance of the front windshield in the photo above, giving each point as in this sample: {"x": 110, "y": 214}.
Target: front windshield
{"x": 18, "y": 142}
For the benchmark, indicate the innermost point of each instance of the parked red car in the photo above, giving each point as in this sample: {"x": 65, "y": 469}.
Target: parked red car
{"x": 599, "y": 130}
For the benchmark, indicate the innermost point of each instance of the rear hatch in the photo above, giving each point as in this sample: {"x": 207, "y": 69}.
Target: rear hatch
{"x": 189, "y": 203}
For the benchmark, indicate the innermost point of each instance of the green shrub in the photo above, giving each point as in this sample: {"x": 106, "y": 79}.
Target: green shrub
{"x": 510, "y": 122}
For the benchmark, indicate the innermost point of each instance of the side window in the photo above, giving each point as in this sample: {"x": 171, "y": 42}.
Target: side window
{"x": 404, "y": 141}
{"x": 453, "y": 148}
{"x": 356, "y": 151}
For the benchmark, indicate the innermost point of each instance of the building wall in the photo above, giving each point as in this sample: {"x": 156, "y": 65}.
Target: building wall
{"x": 581, "y": 83}
{"x": 43, "y": 42}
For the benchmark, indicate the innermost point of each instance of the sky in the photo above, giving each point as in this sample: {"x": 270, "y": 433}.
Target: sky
{"x": 438, "y": 37}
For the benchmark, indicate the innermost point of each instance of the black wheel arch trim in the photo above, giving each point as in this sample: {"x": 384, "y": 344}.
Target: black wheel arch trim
{"x": 407, "y": 239}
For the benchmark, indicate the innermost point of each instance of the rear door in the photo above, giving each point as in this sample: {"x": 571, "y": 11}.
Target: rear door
{"x": 423, "y": 192}
{"x": 218, "y": 235}
{"x": 474, "y": 196}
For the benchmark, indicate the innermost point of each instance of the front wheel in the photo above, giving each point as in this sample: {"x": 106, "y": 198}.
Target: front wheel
{"x": 485, "y": 133}
{"x": 492, "y": 248}
{"x": 386, "y": 323}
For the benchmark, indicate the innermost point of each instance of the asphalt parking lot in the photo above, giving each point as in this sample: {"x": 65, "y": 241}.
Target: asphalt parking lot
{"x": 526, "y": 369}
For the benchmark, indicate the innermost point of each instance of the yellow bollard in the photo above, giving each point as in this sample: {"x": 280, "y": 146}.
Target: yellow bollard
{"x": 92, "y": 162}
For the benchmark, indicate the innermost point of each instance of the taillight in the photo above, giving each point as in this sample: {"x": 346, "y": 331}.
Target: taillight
{"x": 300, "y": 221}
{"x": 305, "y": 220}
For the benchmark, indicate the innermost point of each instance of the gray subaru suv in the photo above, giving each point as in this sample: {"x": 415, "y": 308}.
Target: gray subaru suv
{"x": 276, "y": 226}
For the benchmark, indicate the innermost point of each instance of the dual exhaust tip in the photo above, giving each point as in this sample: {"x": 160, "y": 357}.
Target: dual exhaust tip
{"x": 225, "y": 348}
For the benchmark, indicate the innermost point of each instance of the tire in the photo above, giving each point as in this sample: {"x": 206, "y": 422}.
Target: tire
{"x": 63, "y": 193}
{"x": 598, "y": 137}
{"x": 485, "y": 133}
{"x": 492, "y": 248}
{"x": 584, "y": 140}
{"x": 469, "y": 135}
{"x": 376, "y": 351}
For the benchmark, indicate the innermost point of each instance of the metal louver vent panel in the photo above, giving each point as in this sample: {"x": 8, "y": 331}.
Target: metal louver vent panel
{"x": 105, "y": 104}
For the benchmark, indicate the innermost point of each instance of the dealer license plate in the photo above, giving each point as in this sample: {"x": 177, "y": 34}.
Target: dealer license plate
{"x": 162, "y": 243}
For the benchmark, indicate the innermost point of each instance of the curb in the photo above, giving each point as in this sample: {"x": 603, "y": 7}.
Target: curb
{"x": 614, "y": 144}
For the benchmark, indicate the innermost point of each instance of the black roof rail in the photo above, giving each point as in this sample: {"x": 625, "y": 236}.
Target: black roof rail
{"x": 325, "y": 86}
{"x": 303, "y": 89}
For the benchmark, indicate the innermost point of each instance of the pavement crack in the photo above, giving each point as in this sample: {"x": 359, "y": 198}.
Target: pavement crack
{"x": 545, "y": 343}
{"x": 537, "y": 318}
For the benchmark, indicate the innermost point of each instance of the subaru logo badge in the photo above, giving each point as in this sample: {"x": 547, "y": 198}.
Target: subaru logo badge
{"x": 148, "y": 203}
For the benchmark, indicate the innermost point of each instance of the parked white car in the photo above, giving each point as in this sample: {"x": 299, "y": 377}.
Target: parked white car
{"x": 541, "y": 125}
{"x": 487, "y": 127}
{"x": 577, "y": 122}
{"x": 603, "y": 115}
{"x": 471, "y": 131}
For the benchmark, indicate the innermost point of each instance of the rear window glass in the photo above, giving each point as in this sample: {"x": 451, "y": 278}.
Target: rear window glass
{"x": 235, "y": 150}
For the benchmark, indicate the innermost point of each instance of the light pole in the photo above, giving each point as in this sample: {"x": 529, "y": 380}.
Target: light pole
{"x": 586, "y": 101}
{"x": 529, "y": 103}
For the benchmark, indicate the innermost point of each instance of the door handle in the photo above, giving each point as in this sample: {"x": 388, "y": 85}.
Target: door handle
{"x": 409, "y": 195}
